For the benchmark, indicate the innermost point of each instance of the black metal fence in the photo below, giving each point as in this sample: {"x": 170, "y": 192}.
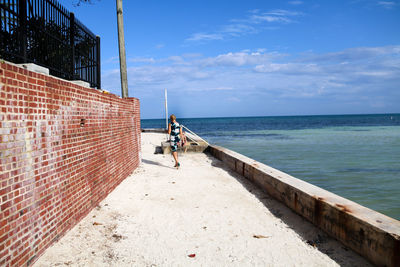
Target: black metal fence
{"x": 45, "y": 33}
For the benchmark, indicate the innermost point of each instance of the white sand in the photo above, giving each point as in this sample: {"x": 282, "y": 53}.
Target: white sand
{"x": 159, "y": 215}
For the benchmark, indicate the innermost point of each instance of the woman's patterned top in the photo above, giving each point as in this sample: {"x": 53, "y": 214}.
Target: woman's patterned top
{"x": 175, "y": 130}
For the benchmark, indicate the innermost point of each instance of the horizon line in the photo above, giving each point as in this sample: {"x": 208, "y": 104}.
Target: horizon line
{"x": 259, "y": 116}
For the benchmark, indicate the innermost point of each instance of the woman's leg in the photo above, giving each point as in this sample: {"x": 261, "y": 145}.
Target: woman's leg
{"x": 175, "y": 155}
{"x": 174, "y": 149}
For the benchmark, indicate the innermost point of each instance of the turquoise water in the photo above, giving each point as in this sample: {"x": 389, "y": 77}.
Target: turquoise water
{"x": 354, "y": 156}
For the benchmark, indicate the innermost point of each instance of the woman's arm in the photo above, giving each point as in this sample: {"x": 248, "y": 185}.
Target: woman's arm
{"x": 169, "y": 128}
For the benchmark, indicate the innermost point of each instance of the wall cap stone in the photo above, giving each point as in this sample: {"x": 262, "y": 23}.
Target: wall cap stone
{"x": 81, "y": 83}
{"x": 34, "y": 67}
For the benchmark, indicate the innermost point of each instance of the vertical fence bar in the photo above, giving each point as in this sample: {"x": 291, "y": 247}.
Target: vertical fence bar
{"x": 22, "y": 28}
{"x": 1, "y": 19}
{"x": 72, "y": 43}
{"x": 98, "y": 69}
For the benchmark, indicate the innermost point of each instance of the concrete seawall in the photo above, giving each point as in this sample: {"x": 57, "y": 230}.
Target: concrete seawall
{"x": 367, "y": 232}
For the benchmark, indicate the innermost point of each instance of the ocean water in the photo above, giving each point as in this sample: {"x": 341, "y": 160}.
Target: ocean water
{"x": 354, "y": 156}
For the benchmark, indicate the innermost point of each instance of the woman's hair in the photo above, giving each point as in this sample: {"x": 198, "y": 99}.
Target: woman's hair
{"x": 172, "y": 117}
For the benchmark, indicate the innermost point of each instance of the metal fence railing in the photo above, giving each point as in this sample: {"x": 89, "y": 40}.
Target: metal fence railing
{"x": 45, "y": 33}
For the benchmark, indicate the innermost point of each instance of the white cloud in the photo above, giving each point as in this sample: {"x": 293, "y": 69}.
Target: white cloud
{"x": 252, "y": 24}
{"x": 278, "y": 15}
{"x": 357, "y": 53}
{"x": 202, "y": 89}
{"x": 269, "y": 18}
{"x": 176, "y": 59}
{"x": 223, "y": 88}
{"x": 205, "y": 37}
{"x": 288, "y": 68}
{"x": 283, "y": 13}
{"x": 233, "y": 99}
{"x": 238, "y": 29}
{"x": 352, "y": 75}
{"x": 295, "y": 2}
{"x": 111, "y": 60}
{"x": 387, "y": 4}
{"x": 239, "y": 59}
{"x": 254, "y": 11}
{"x": 192, "y": 55}
{"x": 141, "y": 60}
{"x": 377, "y": 104}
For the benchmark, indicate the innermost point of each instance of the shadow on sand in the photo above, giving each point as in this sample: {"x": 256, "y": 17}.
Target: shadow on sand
{"x": 146, "y": 161}
{"x": 310, "y": 234}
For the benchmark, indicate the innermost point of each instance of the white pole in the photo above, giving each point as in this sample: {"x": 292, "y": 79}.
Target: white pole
{"x": 166, "y": 109}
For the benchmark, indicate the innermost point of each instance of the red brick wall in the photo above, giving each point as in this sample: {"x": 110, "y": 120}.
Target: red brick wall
{"x": 63, "y": 148}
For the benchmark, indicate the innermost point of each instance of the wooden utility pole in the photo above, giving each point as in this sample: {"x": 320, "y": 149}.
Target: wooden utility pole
{"x": 121, "y": 44}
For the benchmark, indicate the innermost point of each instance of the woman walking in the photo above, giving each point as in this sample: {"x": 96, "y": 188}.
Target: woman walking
{"x": 175, "y": 131}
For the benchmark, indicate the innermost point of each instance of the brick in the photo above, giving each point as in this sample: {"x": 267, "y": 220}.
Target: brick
{"x": 9, "y": 74}
{"x": 49, "y": 160}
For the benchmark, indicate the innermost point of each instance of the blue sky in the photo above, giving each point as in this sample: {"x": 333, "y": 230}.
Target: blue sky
{"x": 252, "y": 57}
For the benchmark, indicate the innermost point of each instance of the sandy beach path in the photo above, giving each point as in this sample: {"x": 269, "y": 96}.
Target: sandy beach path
{"x": 199, "y": 215}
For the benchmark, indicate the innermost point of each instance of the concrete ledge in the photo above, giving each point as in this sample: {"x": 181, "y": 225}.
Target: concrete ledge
{"x": 81, "y": 83}
{"x": 189, "y": 147}
{"x": 42, "y": 70}
{"x": 369, "y": 233}
{"x": 35, "y": 68}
